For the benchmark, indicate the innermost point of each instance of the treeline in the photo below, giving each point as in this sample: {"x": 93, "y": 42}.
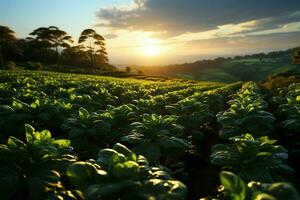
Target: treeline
{"x": 230, "y": 69}
{"x": 54, "y": 47}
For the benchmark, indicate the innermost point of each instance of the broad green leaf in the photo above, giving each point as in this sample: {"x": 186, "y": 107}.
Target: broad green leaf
{"x": 106, "y": 158}
{"x": 83, "y": 174}
{"x": 83, "y": 113}
{"x": 234, "y": 185}
{"x": 44, "y": 135}
{"x": 263, "y": 196}
{"x": 62, "y": 143}
{"x": 142, "y": 161}
{"x": 13, "y": 142}
{"x": 164, "y": 189}
{"x": 151, "y": 151}
{"x": 124, "y": 150}
{"x": 256, "y": 173}
{"x": 29, "y": 130}
{"x": 173, "y": 146}
{"x": 284, "y": 191}
{"x": 6, "y": 109}
{"x": 161, "y": 175}
{"x": 225, "y": 157}
{"x": 126, "y": 170}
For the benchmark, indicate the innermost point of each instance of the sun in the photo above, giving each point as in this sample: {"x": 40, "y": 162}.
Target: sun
{"x": 151, "y": 50}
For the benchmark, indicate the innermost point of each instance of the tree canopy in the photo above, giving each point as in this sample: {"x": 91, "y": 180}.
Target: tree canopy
{"x": 8, "y": 43}
{"x": 52, "y": 37}
{"x": 94, "y": 44}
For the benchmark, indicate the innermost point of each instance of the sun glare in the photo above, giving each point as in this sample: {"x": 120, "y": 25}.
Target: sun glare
{"x": 151, "y": 50}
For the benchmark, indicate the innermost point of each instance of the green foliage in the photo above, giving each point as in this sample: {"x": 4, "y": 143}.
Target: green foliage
{"x": 246, "y": 114}
{"x": 281, "y": 80}
{"x": 34, "y": 167}
{"x": 88, "y": 131}
{"x": 118, "y": 173}
{"x": 192, "y": 113}
{"x": 290, "y": 107}
{"x": 165, "y": 122}
{"x": 157, "y": 136}
{"x": 46, "y": 113}
{"x": 234, "y": 186}
{"x": 49, "y": 37}
{"x": 8, "y": 45}
{"x": 236, "y": 189}
{"x": 254, "y": 159}
{"x": 95, "y": 46}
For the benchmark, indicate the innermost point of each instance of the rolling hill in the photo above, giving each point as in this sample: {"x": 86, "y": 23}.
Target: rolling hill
{"x": 240, "y": 68}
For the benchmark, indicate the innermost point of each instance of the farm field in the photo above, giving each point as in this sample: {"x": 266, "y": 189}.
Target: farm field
{"x": 71, "y": 136}
{"x": 245, "y": 69}
{"x": 229, "y": 70}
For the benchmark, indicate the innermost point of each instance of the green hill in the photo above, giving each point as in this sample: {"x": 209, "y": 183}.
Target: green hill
{"x": 240, "y": 68}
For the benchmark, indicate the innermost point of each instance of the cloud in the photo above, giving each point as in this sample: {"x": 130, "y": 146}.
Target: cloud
{"x": 170, "y": 18}
{"x": 244, "y": 45}
{"x": 110, "y": 36}
{"x": 250, "y": 28}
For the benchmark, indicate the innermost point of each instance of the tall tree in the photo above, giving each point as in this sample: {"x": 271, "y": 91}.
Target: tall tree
{"x": 52, "y": 37}
{"x": 76, "y": 56}
{"x": 7, "y": 39}
{"x": 95, "y": 45}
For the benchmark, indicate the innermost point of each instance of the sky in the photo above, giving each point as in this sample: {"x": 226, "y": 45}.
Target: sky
{"x": 160, "y": 32}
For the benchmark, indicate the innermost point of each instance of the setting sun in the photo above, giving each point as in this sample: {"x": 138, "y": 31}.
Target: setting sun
{"x": 151, "y": 50}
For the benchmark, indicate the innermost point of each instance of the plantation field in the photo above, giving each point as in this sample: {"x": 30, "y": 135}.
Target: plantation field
{"x": 238, "y": 70}
{"x": 70, "y": 136}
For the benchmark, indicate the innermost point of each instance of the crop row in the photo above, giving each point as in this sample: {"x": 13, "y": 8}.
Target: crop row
{"x": 134, "y": 139}
{"x": 91, "y": 113}
{"x": 248, "y": 151}
{"x": 287, "y": 111}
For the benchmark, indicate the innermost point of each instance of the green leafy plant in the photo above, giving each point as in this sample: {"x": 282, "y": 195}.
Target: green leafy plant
{"x": 253, "y": 159}
{"x": 246, "y": 114}
{"x": 191, "y": 113}
{"x": 34, "y": 168}
{"x": 48, "y": 114}
{"x": 89, "y": 131}
{"x": 236, "y": 189}
{"x": 86, "y": 130}
{"x": 118, "y": 173}
{"x": 157, "y": 136}
{"x": 290, "y": 107}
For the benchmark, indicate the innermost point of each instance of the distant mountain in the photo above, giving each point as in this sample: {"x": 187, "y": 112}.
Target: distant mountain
{"x": 248, "y": 67}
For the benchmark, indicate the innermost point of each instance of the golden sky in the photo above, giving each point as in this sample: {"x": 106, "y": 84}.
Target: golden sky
{"x": 159, "y": 32}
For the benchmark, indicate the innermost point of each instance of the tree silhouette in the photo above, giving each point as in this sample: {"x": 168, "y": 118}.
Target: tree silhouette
{"x": 32, "y": 50}
{"x": 52, "y": 37}
{"x": 95, "y": 44}
{"x": 7, "y": 39}
{"x": 75, "y": 56}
